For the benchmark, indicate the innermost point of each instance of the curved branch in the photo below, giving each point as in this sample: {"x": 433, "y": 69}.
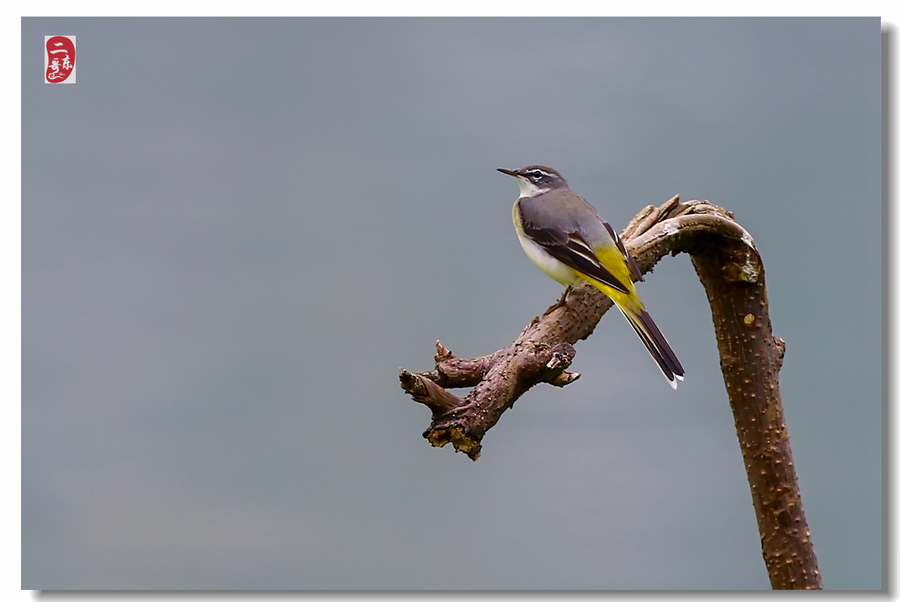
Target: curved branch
{"x": 728, "y": 264}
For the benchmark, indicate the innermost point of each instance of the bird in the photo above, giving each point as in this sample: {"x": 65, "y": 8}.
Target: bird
{"x": 569, "y": 241}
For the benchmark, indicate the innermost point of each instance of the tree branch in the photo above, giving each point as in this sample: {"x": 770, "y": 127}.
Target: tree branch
{"x": 730, "y": 268}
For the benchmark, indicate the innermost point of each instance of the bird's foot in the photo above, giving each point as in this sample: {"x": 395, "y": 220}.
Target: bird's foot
{"x": 561, "y": 302}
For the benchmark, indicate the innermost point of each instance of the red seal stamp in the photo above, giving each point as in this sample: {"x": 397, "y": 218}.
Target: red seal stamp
{"x": 59, "y": 59}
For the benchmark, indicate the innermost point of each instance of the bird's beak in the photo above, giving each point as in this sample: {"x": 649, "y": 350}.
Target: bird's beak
{"x": 508, "y": 172}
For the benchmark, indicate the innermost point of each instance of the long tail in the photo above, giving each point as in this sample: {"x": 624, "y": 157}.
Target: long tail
{"x": 656, "y": 343}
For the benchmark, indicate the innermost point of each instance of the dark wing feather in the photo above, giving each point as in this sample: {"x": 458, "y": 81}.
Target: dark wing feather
{"x": 571, "y": 249}
{"x": 632, "y": 264}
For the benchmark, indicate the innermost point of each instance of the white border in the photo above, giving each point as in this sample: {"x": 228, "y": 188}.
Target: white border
{"x": 10, "y": 218}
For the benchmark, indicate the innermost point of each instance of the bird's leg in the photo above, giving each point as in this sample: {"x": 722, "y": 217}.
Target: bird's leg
{"x": 561, "y": 302}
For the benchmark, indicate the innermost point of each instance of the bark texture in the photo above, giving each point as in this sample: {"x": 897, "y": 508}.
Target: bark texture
{"x": 728, "y": 264}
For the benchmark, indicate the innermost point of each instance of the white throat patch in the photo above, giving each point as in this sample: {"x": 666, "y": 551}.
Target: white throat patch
{"x": 527, "y": 189}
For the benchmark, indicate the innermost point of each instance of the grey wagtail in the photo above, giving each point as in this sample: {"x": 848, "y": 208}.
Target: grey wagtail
{"x": 566, "y": 237}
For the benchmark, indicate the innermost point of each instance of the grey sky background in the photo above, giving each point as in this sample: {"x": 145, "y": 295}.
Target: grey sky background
{"x": 234, "y": 231}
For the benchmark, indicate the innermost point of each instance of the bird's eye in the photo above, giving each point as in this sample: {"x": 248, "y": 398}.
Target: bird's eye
{"x": 537, "y": 175}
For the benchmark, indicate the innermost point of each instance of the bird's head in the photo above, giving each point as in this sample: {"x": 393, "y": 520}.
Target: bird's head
{"x": 535, "y": 179}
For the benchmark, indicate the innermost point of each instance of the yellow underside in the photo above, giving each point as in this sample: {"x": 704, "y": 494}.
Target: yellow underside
{"x": 612, "y": 258}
